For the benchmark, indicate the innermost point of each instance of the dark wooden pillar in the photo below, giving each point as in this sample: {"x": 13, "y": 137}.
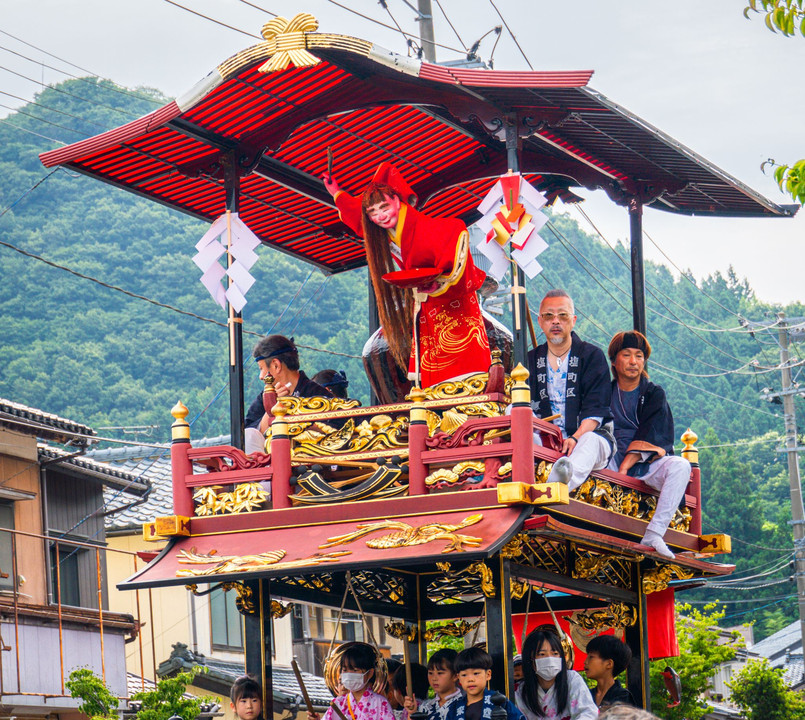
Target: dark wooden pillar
{"x": 235, "y": 320}
{"x": 637, "y": 674}
{"x": 499, "y": 627}
{"x": 257, "y": 640}
{"x": 419, "y": 649}
{"x": 519, "y": 305}
{"x": 638, "y": 272}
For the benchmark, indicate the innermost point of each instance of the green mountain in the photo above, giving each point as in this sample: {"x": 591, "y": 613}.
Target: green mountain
{"x": 83, "y": 349}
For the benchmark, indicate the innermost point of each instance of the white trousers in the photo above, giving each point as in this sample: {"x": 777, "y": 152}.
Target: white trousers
{"x": 591, "y": 453}
{"x": 670, "y": 475}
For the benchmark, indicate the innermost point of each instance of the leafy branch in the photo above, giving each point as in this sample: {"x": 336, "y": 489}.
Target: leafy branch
{"x": 787, "y": 17}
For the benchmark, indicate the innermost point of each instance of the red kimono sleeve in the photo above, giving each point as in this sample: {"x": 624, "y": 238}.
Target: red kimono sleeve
{"x": 349, "y": 210}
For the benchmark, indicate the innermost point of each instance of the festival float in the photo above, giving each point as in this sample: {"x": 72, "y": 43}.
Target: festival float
{"x": 432, "y": 504}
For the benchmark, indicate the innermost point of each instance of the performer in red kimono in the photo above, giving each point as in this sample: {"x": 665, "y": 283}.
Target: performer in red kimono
{"x": 452, "y": 338}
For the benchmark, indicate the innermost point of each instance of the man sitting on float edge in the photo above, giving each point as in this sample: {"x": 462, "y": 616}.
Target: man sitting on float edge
{"x": 644, "y": 431}
{"x": 277, "y": 356}
{"x": 570, "y": 378}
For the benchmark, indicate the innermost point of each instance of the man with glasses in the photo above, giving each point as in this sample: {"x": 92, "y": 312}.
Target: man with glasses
{"x": 570, "y": 381}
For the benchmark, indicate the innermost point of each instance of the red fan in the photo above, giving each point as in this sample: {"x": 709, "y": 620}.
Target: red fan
{"x": 413, "y": 278}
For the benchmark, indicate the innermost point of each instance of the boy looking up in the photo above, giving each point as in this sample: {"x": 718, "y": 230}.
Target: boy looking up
{"x": 246, "y": 698}
{"x": 474, "y": 669}
{"x": 608, "y": 657}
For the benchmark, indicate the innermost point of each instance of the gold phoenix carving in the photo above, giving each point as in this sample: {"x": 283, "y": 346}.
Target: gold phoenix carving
{"x": 658, "y": 578}
{"x": 247, "y": 563}
{"x": 456, "y": 629}
{"x": 402, "y": 630}
{"x": 278, "y": 610}
{"x": 487, "y": 579}
{"x": 616, "y": 615}
{"x": 405, "y": 535}
{"x": 244, "y": 498}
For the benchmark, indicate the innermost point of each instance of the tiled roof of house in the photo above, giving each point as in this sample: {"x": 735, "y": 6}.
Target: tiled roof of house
{"x": 285, "y": 687}
{"x": 32, "y": 421}
{"x": 775, "y": 645}
{"x": 113, "y": 478}
{"x": 151, "y": 465}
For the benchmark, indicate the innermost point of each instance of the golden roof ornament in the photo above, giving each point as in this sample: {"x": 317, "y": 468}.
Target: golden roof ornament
{"x": 289, "y": 41}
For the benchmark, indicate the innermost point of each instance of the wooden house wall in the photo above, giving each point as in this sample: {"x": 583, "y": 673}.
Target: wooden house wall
{"x": 73, "y": 504}
{"x": 40, "y": 672}
{"x": 19, "y": 470}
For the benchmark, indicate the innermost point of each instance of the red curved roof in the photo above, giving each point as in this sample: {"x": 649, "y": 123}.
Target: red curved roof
{"x": 443, "y": 127}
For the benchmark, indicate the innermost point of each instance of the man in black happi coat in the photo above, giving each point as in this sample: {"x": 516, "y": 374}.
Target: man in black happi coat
{"x": 570, "y": 378}
{"x": 644, "y": 432}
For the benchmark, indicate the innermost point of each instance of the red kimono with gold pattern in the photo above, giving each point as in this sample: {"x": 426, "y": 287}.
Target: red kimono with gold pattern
{"x": 452, "y": 337}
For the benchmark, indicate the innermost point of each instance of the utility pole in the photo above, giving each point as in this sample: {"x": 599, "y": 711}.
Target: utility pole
{"x": 426, "y": 37}
{"x": 797, "y": 512}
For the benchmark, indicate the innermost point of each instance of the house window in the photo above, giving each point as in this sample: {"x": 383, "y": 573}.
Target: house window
{"x": 66, "y": 583}
{"x": 6, "y": 558}
{"x": 227, "y": 623}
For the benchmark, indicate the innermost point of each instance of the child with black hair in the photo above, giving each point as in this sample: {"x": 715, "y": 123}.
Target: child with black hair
{"x": 474, "y": 669}
{"x": 419, "y": 686}
{"x": 608, "y": 657}
{"x": 442, "y": 678}
{"x": 360, "y": 702}
{"x": 550, "y": 689}
{"x": 246, "y": 698}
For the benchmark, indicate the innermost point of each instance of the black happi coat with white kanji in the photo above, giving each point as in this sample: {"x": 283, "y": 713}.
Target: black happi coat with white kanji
{"x": 589, "y": 386}
{"x": 655, "y": 423}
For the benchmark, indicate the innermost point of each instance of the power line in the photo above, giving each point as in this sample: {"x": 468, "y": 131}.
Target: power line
{"x": 385, "y": 25}
{"x": 257, "y": 7}
{"x": 121, "y": 91}
{"x": 452, "y": 27}
{"x": 72, "y": 64}
{"x": 503, "y": 20}
{"x": 217, "y": 22}
{"x": 52, "y": 109}
{"x": 39, "y": 119}
{"x": 31, "y": 132}
{"x": 65, "y": 92}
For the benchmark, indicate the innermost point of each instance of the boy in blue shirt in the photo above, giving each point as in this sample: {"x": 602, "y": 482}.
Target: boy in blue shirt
{"x": 474, "y": 669}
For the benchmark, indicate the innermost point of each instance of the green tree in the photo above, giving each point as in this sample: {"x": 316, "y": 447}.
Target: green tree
{"x": 702, "y": 648}
{"x": 168, "y": 699}
{"x": 96, "y": 700}
{"x": 761, "y": 694}
{"x": 786, "y": 17}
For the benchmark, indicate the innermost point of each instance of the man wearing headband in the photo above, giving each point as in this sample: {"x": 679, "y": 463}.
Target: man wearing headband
{"x": 570, "y": 378}
{"x": 644, "y": 432}
{"x": 277, "y": 356}
{"x": 334, "y": 380}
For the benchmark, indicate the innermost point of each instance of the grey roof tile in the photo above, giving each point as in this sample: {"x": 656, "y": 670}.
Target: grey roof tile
{"x": 39, "y": 423}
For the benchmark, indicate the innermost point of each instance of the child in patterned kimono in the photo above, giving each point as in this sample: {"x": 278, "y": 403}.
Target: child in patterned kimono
{"x": 474, "y": 669}
{"x": 442, "y": 678}
{"x": 360, "y": 701}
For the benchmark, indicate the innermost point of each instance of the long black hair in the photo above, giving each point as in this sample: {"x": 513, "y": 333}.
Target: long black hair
{"x": 531, "y": 648}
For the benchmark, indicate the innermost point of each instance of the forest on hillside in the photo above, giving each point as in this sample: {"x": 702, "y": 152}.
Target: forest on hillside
{"x": 81, "y": 348}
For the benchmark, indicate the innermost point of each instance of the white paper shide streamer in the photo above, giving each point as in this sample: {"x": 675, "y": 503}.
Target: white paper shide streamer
{"x": 511, "y": 218}
{"x": 213, "y": 246}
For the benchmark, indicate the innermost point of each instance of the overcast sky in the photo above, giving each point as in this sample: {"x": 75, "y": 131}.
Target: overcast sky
{"x": 722, "y": 85}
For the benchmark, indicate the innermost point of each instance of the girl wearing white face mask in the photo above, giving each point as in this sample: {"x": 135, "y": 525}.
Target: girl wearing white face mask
{"x": 549, "y": 689}
{"x": 357, "y": 675}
